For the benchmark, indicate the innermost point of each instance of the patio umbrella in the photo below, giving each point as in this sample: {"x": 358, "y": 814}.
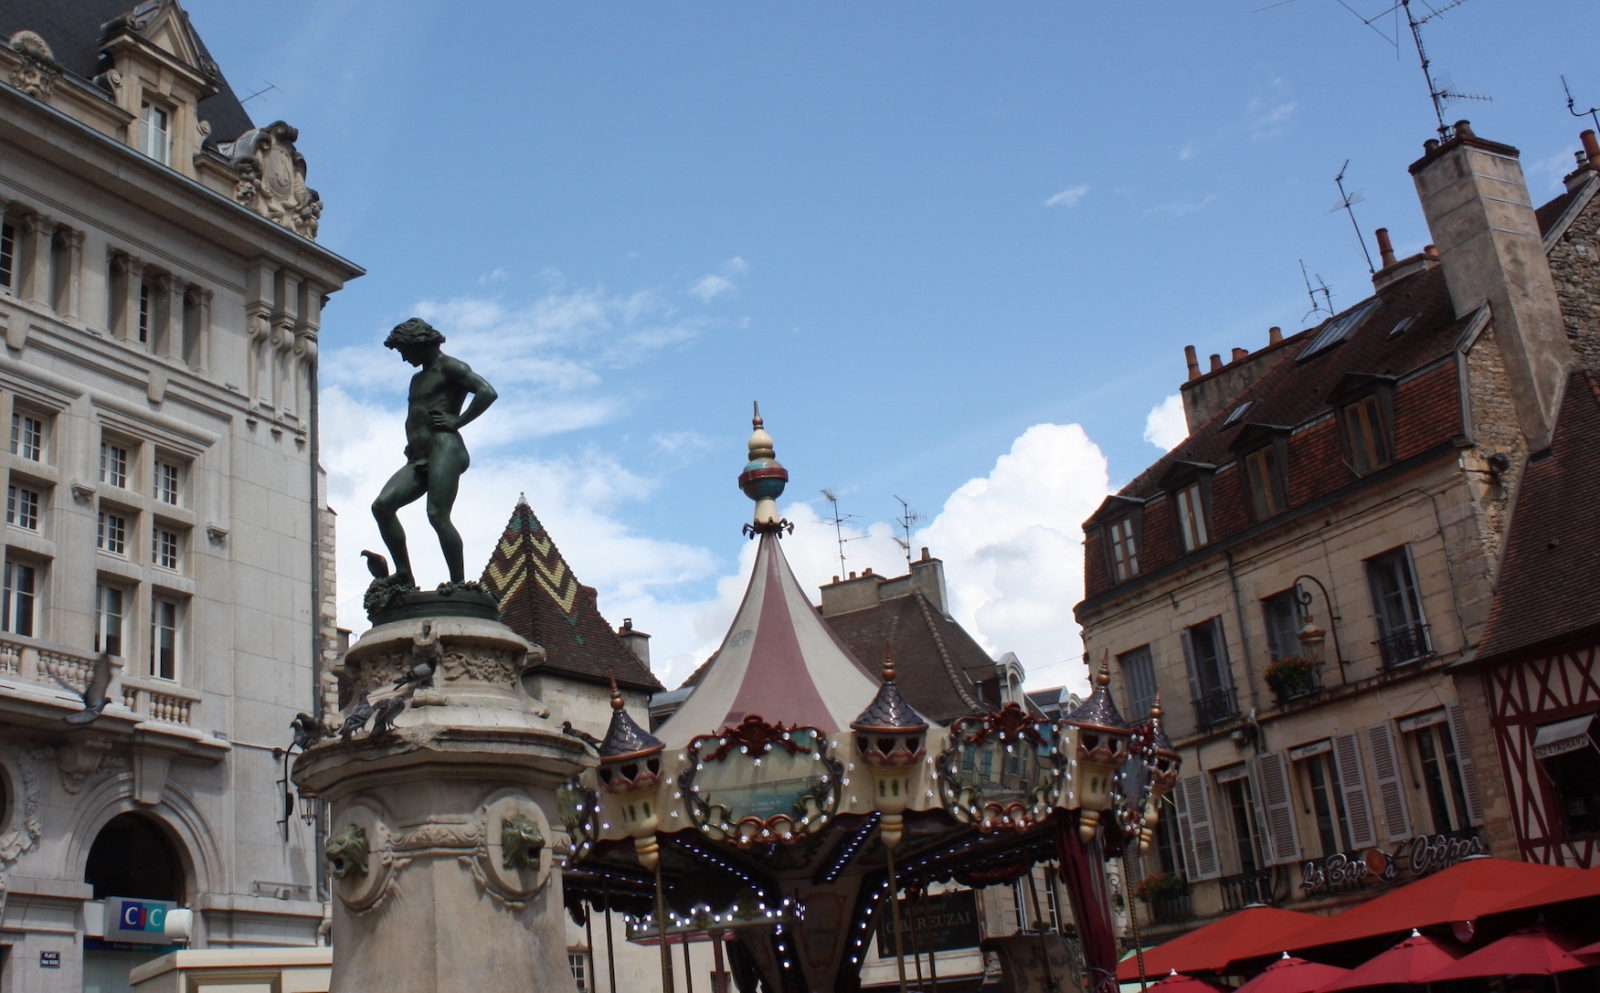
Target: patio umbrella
{"x": 1177, "y": 982}
{"x": 1413, "y": 962}
{"x": 1248, "y": 933}
{"x": 1292, "y": 975}
{"x": 1532, "y": 951}
{"x": 1463, "y": 892}
{"x": 1577, "y": 884}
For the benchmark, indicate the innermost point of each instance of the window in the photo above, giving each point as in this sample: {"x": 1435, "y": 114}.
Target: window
{"x": 145, "y": 293}
{"x": 1439, "y": 771}
{"x": 1338, "y": 329}
{"x": 1397, "y": 609}
{"x": 1365, "y": 435}
{"x": 1207, "y": 656}
{"x": 578, "y": 962}
{"x": 22, "y": 507}
{"x": 1190, "y": 502}
{"x": 1241, "y": 812}
{"x": 1570, "y": 762}
{"x": 164, "y": 548}
{"x": 27, "y": 436}
{"x": 164, "y": 615}
{"x": 1169, "y": 853}
{"x": 1320, "y": 782}
{"x": 111, "y": 533}
{"x": 8, "y": 254}
{"x": 155, "y": 138}
{"x": 166, "y": 482}
{"x": 21, "y": 592}
{"x": 1139, "y": 676}
{"x": 108, "y": 605}
{"x": 1281, "y": 616}
{"x": 113, "y": 464}
{"x": 1124, "y": 550}
{"x": 1265, "y": 473}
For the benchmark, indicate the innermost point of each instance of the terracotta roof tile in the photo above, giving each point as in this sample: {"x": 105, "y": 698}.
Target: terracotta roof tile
{"x": 913, "y": 629}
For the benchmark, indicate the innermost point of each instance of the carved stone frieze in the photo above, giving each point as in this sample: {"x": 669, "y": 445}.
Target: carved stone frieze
{"x": 80, "y": 758}
{"x": 24, "y": 833}
{"x": 272, "y": 178}
{"x": 37, "y": 71}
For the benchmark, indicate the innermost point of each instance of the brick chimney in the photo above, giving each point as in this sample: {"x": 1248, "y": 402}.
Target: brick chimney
{"x": 635, "y": 641}
{"x": 1478, "y": 210}
{"x": 1207, "y": 394}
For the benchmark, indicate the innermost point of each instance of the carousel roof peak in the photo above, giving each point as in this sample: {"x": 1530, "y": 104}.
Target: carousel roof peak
{"x": 1099, "y": 710}
{"x": 625, "y": 736}
{"x": 889, "y": 710}
{"x": 763, "y": 479}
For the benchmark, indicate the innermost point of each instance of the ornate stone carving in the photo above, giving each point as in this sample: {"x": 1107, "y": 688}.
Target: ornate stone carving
{"x": 272, "y": 178}
{"x": 346, "y": 852}
{"x": 22, "y": 838}
{"x": 37, "y": 72}
{"x": 79, "y": 759}
{"x": 520, "y": 842}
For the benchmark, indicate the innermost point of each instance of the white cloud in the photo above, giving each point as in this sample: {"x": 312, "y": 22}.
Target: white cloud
{"x": 1177, "y": 209}
{"x": 1189, "y": 151}
{"x": 495, "y": 275}
{"x": 1069, "y": 197}
{"x": 1165, "y": 426}
{"x": 716, "y": 284}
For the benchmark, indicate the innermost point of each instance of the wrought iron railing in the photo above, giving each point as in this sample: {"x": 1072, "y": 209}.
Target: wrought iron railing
{"x": 1170, "y": 908}
{"x": 1263, "y": 886}
{"x": 1216, "y": 707}
{"x": 1302, "y": 682}
{"x": 1403, "y": 645}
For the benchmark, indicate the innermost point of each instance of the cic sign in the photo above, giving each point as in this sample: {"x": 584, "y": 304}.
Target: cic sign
{"x": 140, "y": 922}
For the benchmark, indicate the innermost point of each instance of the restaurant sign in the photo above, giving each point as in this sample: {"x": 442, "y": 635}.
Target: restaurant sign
{"x": 1418, "y": 857}
{"x": 936, "y": 923}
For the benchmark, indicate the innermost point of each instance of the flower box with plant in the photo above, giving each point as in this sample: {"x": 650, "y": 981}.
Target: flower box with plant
{"x": 1292, "y": 677}
{"x": 1159, "y": 885}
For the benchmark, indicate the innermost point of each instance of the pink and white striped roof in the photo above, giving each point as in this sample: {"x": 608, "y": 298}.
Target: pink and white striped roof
{"x": 779, "y": 661}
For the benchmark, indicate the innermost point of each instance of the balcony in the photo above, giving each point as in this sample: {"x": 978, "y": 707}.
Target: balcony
{"x": 1404, "y": 645}
{"x": 1170, "y": 908}
{"x": 1293, "y": 679}
{"x": 1216, "y": 707}
{"x": 1264, "y": 886}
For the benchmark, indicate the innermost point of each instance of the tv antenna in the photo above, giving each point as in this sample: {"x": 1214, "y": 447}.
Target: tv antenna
{"x": 907, "y": 518}
{"x": 838, "y": 527}
{"x": 261, "y": 92}
{"x": 1572, "y": 107}
{"x": 1347, "y": 203}
{"x": 1321, "y": 287}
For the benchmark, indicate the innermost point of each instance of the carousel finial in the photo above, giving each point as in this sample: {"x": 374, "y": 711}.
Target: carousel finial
{"x": 763, "y": 478}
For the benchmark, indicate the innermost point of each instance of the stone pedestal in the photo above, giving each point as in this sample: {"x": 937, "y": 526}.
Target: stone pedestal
{"x": 440, "y": 830}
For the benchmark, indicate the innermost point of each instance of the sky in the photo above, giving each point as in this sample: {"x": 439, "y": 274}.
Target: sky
{"x": 955, "y": 250}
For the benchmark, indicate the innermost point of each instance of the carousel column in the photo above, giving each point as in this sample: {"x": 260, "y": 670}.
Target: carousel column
{"x": 441, "y": 822}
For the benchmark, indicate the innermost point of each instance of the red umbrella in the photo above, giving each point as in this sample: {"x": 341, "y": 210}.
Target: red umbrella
{"x": 1292, "y": 975}
{"x": 1463, "y": 892}
{"x": 1413, "y": 962}
{"x": 1252, "y": 932}
{"x": 1529, "y": 952}
{"x": 1577, "y": 884}
{"x": 1177, "y": 982}
{"x": 1593, "y": 949}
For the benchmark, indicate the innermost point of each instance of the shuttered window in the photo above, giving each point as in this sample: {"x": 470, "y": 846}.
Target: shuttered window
{"x": 1353, "y": 791}
{"x": 1461, "y": 738}
{"x": 1271, "y": 775}
{"x": 1195, "y": 824}
{"x": 1139, "y": 676}
{"x": 1389, "y": 780}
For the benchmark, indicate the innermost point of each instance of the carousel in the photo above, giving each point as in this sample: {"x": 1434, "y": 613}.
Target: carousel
{"x": 796, "y": 795}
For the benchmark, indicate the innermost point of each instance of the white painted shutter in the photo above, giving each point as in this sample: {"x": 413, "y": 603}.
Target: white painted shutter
{"x": 1276, "y": 801}
{"x": 1469, "y": 773}
{"x": 1194, "y": 823}
{"x": 1390, "y": 780}
{"x": 1353, "y": 786}
{"x": 1194, "y": 676}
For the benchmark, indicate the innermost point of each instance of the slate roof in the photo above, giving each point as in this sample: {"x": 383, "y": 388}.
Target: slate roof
{"x": 927, "y": 647}
{"x": 543, "y": 601}
{"x": 1543, "y": 594}
{"x": 73, "y": 30}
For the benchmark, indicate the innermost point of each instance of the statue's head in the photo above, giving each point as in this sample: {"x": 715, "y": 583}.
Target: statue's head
{"x": 413, "y": 332}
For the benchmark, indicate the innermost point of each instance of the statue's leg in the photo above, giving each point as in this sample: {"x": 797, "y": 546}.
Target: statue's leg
{"x": 402, "y": 488}
{"x": 444, "y": 479}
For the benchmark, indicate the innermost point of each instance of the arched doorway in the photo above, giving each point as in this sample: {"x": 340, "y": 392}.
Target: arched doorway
{"x": 135, "y": 865}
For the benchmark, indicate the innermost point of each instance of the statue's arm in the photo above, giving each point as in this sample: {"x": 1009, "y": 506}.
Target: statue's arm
{"x": 461, "y": 374}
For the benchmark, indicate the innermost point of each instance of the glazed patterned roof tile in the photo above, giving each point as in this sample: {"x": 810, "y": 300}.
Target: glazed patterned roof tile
{"x": 626, "y": 737}
{"x": 889, "y": 710}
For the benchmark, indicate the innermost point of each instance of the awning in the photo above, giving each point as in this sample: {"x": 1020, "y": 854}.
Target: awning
{"x": 1563, "y": 737}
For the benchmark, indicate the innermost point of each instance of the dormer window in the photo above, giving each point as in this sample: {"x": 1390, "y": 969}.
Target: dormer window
{"x": 1366, "y": 420}
{"x": 155, "y": 132}
{"x": 1264, "y": 455}
{"x": 1188, "y": 484}
{"x": 1124, "y": 547}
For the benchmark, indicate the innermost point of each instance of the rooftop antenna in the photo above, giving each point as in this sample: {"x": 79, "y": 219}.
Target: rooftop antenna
{"x": 838, "y": 527}
{"x": 907, "y": 518}
{"x": 1347, "y": 203}
{"x": 1321, "y": 287}
{"x": 261, "y": 92}
{"x": 1572, "y": 107}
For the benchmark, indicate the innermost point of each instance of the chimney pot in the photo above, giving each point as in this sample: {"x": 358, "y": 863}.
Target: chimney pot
{"x": 867, "y": 571}
{"x": 1274, "y": 335}
{"x": 1429, "y": 146}
{"x": 925, "y": 555}
{"x": 852, "y": 574}
{"x": 1385, "y": 247}
{"x": 1591, "y": 147}
{"x": 1240, "y": 353}
{"x": 1192, "y": 358}
{"x": 1463, "y": 129}
{"x": 1431, "y": 251}
{"x": 1216, "y": 362}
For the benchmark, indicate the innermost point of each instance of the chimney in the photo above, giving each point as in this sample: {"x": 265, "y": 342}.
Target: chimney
{"x": 1274, "y": 336}
{"x": 1588, "y": 162}
{"x": 1385, "y": 248}
{"x": 636, "y": 641}
{"x": 1591, "y": 148}
{"x": 927, "y": 578}
{"x": 1192, "y": 358}
{"x": 1240, "y": 353}
{"x": 1478, "y": 210}
{"x": 1216, "y": 362}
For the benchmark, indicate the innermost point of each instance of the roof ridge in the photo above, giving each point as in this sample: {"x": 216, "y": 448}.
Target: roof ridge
{"x": 944, "y": 653}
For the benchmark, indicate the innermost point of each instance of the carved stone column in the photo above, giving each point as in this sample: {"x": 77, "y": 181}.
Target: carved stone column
{"x": 168, "y": 291}
{"x": 259, "y": 326}
{"x": 196, "y": 352}
{"x": 72, "y": 282}
{"x": 34, "y": 255}
{"x": 441, "y": 827}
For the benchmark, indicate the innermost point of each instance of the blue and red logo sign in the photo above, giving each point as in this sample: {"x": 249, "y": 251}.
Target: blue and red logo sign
{"x": 136, "y": 916}
{"x": 138, "y": 921}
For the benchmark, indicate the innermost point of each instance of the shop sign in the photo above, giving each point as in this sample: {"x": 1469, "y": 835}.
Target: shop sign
{"x": 49, "y": 960}
{"x": 1420, "y": 856}
{"x": 938, "y": 923}
{"x": 140, "y": 922}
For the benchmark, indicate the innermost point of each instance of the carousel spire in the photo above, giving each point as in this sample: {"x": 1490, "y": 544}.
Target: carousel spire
{"x": 625, "y": 738}
{"x": 889, "y": 710}
{"x": 763, "y": 480}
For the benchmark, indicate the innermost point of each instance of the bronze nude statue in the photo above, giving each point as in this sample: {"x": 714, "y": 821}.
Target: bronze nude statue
{"x": 435, "y": 454}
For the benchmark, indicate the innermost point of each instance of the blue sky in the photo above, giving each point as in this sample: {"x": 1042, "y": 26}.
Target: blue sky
{"x": 954, "y": 249}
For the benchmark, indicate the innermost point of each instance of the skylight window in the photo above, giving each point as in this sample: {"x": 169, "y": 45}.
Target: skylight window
{"x": 1338, "y": 329}
{"x": 1401, "y": 325}
{"x": 1237, "y": 414}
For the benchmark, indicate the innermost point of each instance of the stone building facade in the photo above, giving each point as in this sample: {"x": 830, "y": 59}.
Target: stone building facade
{"x": 165, "y": 538}
{"x": 1304, "y": 575}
